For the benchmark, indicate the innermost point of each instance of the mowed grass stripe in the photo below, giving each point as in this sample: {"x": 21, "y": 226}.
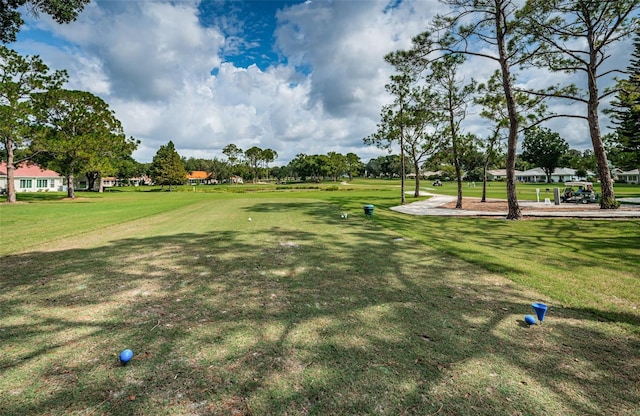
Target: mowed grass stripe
{"x": 23, "y": 225}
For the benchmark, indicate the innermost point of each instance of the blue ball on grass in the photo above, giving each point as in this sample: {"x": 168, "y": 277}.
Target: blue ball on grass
{"x": 529, "y": 319}
{"x": 126, "y": 356}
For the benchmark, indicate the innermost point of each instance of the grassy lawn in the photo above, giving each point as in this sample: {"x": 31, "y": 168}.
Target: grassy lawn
{"x": 300, "y": 311}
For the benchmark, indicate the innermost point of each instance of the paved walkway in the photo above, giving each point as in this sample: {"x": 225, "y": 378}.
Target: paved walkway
{"x": 431, "y": 206}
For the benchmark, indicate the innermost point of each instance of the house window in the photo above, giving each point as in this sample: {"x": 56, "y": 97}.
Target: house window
{"x": 52, "y": 183}
{"x": 25, "y": 183}
{"x": 42, "y": 183}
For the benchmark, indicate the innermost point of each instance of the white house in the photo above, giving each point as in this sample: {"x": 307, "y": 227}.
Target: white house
{"x": 499, "y": 174}
{"x": 632, "y": 176}
{"x": 31, "y": 178}
{"x": 558, "y": 175}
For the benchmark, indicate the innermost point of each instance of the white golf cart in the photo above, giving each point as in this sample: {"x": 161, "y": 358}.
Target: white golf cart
{"x": 578, "y": 192}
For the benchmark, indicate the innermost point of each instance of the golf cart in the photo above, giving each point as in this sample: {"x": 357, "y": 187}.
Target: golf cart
{"x": 578, "y": 192}
{"x": 436, "y": 183}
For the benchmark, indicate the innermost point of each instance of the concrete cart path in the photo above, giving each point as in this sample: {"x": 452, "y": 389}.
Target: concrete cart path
{"x": 430, "y": 207}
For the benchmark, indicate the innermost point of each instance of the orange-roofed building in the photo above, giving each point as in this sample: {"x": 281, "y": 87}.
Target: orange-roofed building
{"x": 31, "y": 178}
{"x": 198, "y": 177}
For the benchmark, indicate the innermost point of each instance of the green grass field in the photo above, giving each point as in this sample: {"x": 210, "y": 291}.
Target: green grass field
{"x": 300, "y": 311}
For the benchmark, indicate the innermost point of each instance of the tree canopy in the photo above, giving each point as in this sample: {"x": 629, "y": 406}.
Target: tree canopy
{"x": 167, "y": 167}
{"x": 573, "y": 36}
{"x": 21, "y": 78}
{"x": 62, "y": 11}
{"x": 626, "y": 114}
{"x": 80, "y": 134}
{"x": 544, "y": 148}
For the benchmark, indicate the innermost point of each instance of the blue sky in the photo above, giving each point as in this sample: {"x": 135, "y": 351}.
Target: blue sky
{"x": 293, "y": 76}
{"x": 252, "y": 23}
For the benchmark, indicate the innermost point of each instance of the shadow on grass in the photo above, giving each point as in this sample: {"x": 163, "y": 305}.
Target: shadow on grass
{"x": 288, "y": 321}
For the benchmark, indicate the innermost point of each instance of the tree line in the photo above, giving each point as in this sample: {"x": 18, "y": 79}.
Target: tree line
{"x": 432, "y": 97}
{"x": 169, "y": 168}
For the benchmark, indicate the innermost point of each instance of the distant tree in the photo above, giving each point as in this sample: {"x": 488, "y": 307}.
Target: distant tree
{"x": 625, "y": 114}
{"x": 268, "y": 156}
{"x": 280, "y": 172}
{"x": 167, "y": 167}
{"x": 372, "y": 168}
{"x": 452, "y": 98}
{"x": 410, "y": 122}
{"x": 323, "y": 167}
{"x": 11, "y": 19}
{"x": 393, "y": 125}
{"x": 233, "y": 153}
{"x": 301, "y": 166}
{"x": 390, "y": 166}
{"x": 472, "y": 158}
{"x": 218, "y": 169}
{"x": 522, "y": 164}
{"x": 128, "y": 168}
{"x": 253, "y": 156}
{"x": 21, "y": 78}
{"x": 336, "y": 164}
{"x": 544, "y": 148}
{"x": 574, "y": 36}
{"x": 192, "y": 164}
{"x": 490, "y": 96}
{"x": 354, "y": 165}
{"x": 571, "y": 158}
{"x": 81, "y": 134}
{"x": 102, "y": 167}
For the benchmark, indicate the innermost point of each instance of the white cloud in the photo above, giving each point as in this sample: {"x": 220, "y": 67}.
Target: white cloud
{"x": 152, "y": 62}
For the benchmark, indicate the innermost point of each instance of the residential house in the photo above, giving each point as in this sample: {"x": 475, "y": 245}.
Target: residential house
{"x": 558, "y": 175}
{"x": 136, "y": 181}
{"x": 499, "y": 174}
{"x": 197, "y": 177}
{"x": 81, "y": 183}
{"x": 236, "y": 179}
{"x": 31, "y": 178}
{"x": 432, "y": 174}
{"x": 632, "y": 176}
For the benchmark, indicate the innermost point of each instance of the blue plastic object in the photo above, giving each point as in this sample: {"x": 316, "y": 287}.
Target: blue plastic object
{"x": 126, "y": 356}
{"x": 529, "y": 319}
{"x": 540, "y": 309}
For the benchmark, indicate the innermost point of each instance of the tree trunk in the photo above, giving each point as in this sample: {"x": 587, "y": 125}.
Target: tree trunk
{"x": 607, "y": 198}
{"x": 71, "y": 193}
{"x": 416, "y": 167}
{"x": 11, "y": 185}
{"x": 454, "y": 148}
{"x": 459, "y": 176}
{"x": 484, "y": 180}
{"x": 512, "y": 142}
{"x": 403, "y": 199}
{"x": 91, "y": 180}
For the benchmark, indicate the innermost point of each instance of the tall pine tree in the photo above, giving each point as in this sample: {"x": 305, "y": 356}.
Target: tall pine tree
{"x": 626, "y": 114}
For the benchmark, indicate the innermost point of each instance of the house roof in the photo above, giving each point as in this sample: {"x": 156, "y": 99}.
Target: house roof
{"x": 25, "y": 170}
{"x": 501, "y": 172}
{"x": 540, "y": 172}
{"x": 630, "y": 172}
{"x": 198, "y": 174}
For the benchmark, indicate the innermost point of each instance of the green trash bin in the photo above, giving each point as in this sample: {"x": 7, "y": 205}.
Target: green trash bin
{"x": 368, "y": 210}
